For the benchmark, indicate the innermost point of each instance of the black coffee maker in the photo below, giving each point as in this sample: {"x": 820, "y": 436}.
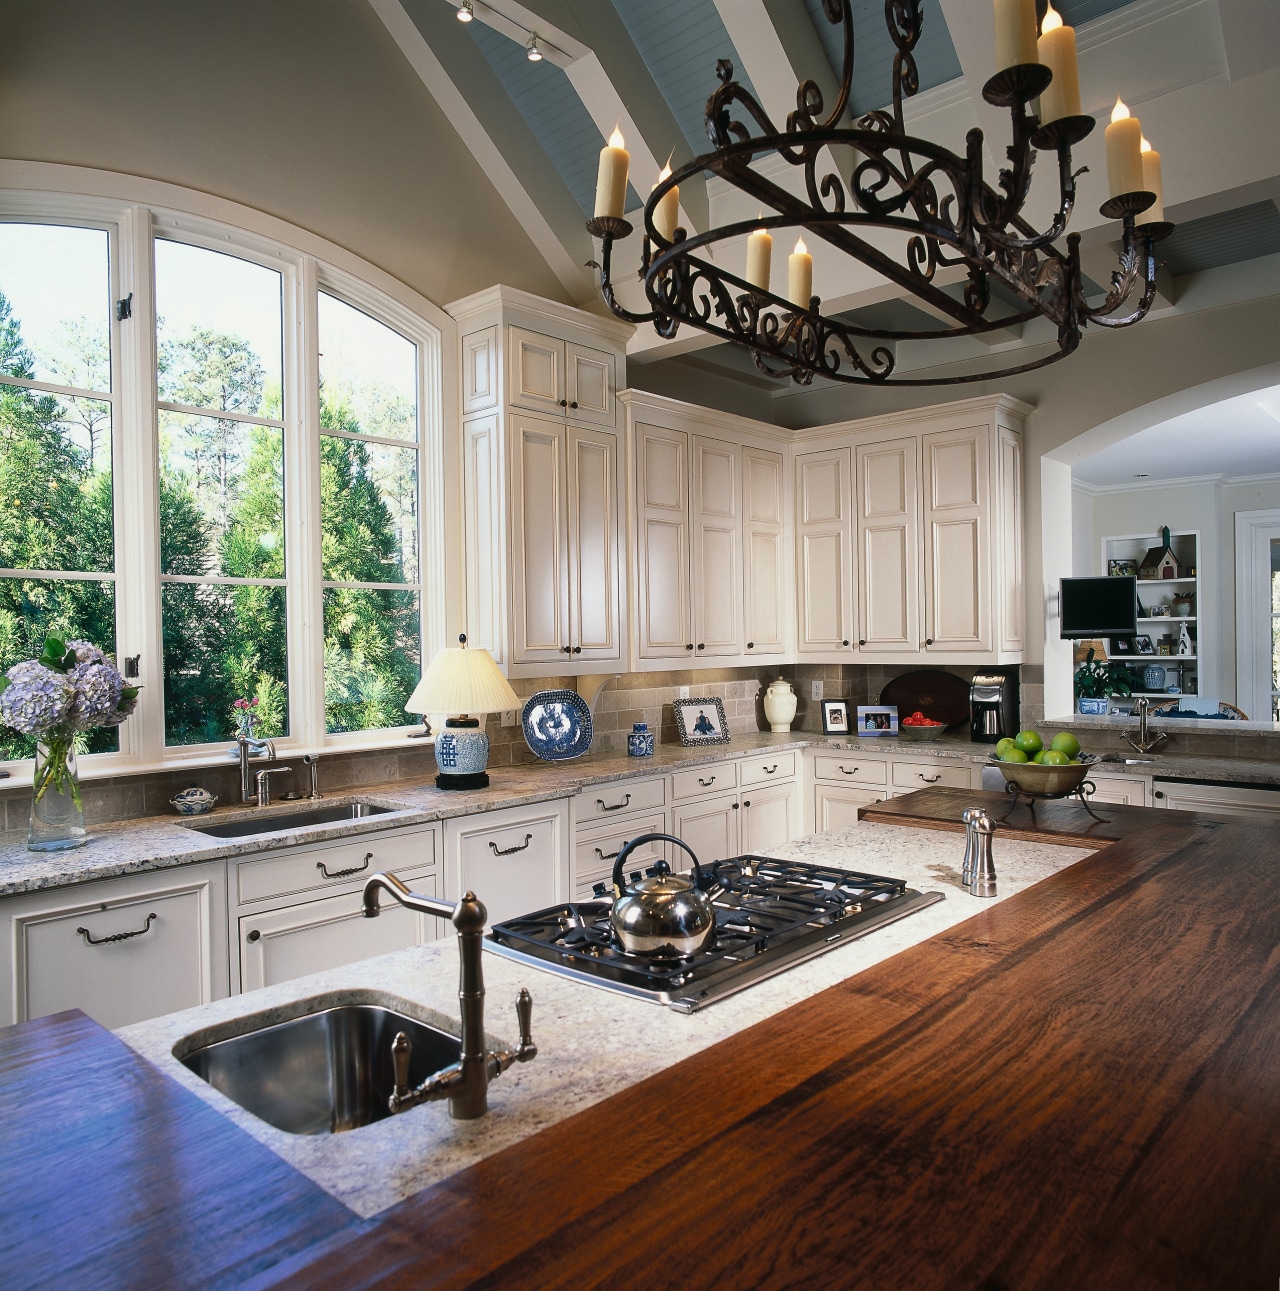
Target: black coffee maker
{"x": 993, "y": 705}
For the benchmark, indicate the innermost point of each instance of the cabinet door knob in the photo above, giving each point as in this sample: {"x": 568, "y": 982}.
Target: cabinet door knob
{"x": 577, "y": 649}
{"x": 574, "y": 404}
{"x": 844, "y": 643}
{"x": 746, "y": 802}
{"x": 928, "y": 640}
{"x": 862, "y": 640}
{"x": 1159, "y": 793}
{"x": 689, "y": 646}
{"x": 565, "y": 650}
{"x": 751, "y": 645}
{"x": 735, "y": 806}
{"x": 255, "y": 935}
{"x": 564, "y": 403}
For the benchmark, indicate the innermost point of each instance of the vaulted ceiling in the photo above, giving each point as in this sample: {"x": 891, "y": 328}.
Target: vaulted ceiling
{"x": 1204, "y": 75}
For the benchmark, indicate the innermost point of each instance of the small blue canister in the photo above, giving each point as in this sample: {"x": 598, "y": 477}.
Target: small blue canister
{"x": 1153, "y": 677}
{"x": 640, "y": 741}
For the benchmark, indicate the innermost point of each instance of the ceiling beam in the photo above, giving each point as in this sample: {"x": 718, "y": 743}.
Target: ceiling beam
{"x": 565, "y": 263}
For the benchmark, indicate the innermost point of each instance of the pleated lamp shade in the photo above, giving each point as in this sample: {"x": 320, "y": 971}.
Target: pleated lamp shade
{"x": 461, "y": 680}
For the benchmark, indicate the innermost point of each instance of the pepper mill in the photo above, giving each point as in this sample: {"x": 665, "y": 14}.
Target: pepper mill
{"x": 969, "y": 815}
{"x": 982, "y": 878}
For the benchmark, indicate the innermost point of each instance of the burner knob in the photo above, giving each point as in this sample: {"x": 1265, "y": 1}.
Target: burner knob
{"x": 599, "y": 890}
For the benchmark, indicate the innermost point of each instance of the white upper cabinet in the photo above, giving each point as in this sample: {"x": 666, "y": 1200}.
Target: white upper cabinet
{"x": 888, "y": 546}
{"x": 589, "y": 385}
{"x": 824, "y": 563}
{"x": 717, "y": 547}
{"x": 663, "y": 623}
{"x": 765, "y": 599}
{"x": 556, "y": 376}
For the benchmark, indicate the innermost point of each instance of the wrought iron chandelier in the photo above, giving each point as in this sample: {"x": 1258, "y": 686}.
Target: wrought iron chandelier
{"x": 949, "y": 214}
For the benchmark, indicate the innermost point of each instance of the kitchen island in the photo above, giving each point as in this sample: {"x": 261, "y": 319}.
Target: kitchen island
{"x": 1073, "y": 1087}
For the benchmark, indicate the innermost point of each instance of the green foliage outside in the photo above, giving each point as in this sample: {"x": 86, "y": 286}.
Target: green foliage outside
{"x": 221, "y": 500}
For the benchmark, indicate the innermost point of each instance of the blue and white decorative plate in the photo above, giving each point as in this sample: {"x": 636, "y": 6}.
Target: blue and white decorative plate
{"x": 557, "y": 725}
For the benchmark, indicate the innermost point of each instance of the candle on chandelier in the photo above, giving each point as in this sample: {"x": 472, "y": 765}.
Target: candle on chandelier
{"x": 800, "y": 275}
{"x": 1153, "y": 182}
{"x": 667, "y": 212}
{"x": 1124, "y": 151}
{"x": 759, "y": 259}
{"x": 1015, "y": 33}
{"x": 1056, "y": 49}
{"x": 611, "y": 182}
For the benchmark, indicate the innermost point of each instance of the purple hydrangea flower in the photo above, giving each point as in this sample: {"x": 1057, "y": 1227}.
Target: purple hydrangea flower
{"x": 87, "y": 652}
{"x": 98, "y": 687}
{"x": 36, "y": 700}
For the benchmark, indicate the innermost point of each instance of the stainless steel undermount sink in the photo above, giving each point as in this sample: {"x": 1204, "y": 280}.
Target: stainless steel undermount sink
{"x": 322, "y": 1073}
{"x": 276, "y": 822}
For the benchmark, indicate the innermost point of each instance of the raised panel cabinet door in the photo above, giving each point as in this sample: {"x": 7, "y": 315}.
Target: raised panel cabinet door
{"x": 515, "y": 860}
{"x": 1218, "y": 800}
{"x": 537, "y": 371}
{"x": 1127, "y": 791}
{"x": 769, "y": 817}
{"x": 835, "y": 807}
{"x": 589, "y": 385}
{"x": 315, "y": 936}
{"x": 709, "y": 826}
{"x": 764, "y": 612}
{"x": 958, "y": 557}
{"x": 480, "y": 370}
{"x": 122, "y": 950}
{"x": 485, "y": 526}
{"x": 539, "y": 541}
{"x": 717, "y": 549}
{"x": 888, "y": 504}
{"x": 594, "y": 594}
{"x": 824, "y": 534}
{"x": 662, "y": 505}
{"x": 1010, "y": 585}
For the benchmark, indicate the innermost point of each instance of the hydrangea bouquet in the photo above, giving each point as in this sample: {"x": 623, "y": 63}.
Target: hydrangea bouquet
{"x": 71, "y": 688}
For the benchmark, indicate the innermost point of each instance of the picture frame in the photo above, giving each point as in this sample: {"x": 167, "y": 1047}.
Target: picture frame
{"x": 835, "y": 717}
{"x": 877, "y": 719}
{"x": 1122, "y": 568}
{"x": 1121, "y": 645}
{"x": 701, "y": 721}
{"x": 1142, "y": 644}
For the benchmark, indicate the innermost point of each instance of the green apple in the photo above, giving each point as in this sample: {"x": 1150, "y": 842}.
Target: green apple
{"x": 1014, "y": 755}
{"x": 1065, "y": 742}
{"x": 1055, "y": 758}
{"x": 1004, "y": 746}
{"x": 1029, "y": 742}
{"x": 1038, "y": 756}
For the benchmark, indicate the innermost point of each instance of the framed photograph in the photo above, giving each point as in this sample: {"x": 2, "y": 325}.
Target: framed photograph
{"x": 1122, "y": 645}
{"x": 835, "y": 717}
{"x": 701, "y": 721}
{"x": 1142, "y": 644}
{"x": 877, "y": 719}
{"x": 1122, "y": 568}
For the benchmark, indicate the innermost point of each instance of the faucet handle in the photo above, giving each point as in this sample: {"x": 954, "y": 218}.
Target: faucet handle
{"x": 401, "y": 1052}
{"x": 524, "y": 1017}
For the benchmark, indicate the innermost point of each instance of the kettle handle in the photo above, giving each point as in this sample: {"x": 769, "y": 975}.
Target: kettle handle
{"x": 620, "y": 886}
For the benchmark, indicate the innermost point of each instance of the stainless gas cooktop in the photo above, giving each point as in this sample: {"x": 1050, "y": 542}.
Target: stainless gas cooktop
{"x": 770, "y": 915}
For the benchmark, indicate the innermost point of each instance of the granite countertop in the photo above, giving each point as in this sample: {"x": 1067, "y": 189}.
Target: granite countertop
{"x": 161, "y": 842}
{"x": 591, "y": 1043}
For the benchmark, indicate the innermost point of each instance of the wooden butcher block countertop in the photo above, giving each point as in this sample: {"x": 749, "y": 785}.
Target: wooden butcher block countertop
{"x": 1077, "y": 1088}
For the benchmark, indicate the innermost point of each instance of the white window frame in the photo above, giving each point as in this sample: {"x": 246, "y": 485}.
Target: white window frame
{"x": 307, "y": 265}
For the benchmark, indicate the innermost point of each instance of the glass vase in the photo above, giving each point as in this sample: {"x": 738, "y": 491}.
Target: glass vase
{"x": 57, "y": 809}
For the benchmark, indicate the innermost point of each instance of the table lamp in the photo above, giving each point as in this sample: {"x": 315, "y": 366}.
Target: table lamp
{"x": 462, "y": 682}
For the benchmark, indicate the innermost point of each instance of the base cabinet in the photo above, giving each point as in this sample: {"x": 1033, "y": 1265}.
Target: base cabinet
{"x": 1220, "y": 799}
{"x": 835, "y": 806}
{"x": 1123, "y": 790}
{"x": 122, "y": 950}
{"x": 768, "y": 818}
{"x": 709, "y": 826}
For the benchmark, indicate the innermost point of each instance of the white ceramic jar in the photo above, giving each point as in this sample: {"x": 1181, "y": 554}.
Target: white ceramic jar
{"x": 780, "y": 705}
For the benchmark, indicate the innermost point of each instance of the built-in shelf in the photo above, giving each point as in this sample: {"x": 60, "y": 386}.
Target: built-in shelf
{"x": 1167, "y": 618}
{"x": 1152, "y": 658}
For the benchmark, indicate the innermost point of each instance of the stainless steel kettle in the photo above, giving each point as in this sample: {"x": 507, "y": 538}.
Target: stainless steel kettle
{"x": 666, "y": 914}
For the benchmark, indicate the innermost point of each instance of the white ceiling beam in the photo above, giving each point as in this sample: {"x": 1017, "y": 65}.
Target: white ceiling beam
{"x": 453, "y": 102}
{"x": 1251, "y": 36}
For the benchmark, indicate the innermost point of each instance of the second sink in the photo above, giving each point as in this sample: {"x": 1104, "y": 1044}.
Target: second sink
{"x": 275, "y": 822}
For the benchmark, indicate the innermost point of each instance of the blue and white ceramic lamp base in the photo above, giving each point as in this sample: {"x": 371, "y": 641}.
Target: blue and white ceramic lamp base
{"x": 462, "y": 754}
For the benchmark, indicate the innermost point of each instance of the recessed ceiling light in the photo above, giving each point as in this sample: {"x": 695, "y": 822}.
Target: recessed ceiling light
{"x": 465, "y": 11}
{"x": 535, "y": 54}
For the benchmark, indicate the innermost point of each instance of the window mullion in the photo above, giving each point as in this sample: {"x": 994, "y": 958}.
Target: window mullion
{"x": 137, "y": 506}
{"x": 302, "y": 507}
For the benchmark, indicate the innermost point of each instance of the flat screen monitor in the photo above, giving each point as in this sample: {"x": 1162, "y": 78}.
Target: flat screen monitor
{"x": 1099, "y": 607}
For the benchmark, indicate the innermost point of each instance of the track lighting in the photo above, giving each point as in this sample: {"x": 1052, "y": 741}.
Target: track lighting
{"x": 465, "y": 11}
{"x": 534, "y": 53}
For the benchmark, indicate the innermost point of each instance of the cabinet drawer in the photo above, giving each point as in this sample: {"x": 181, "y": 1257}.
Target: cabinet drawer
{"x": 515, "y": 860}
{"x": 850, "y": 768}
{"x": 765, "y": 770}
{"x": 923, "y": 775}
{"x": 594, "y": 855}
{"x": 316, "y": 936}
{"x": 703, "y": 780}
{"x": 605, "y": 800}
{"x": 301, "y": 869}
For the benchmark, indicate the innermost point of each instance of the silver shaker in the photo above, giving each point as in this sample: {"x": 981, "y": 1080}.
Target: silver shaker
{"x": 982, "y": 870}
{"x": 969, "y": 815}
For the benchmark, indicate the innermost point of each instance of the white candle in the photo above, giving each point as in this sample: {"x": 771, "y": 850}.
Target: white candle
{"x": 1124, "y": 152}
{"x": 611, "y": 182}
{"x": 759, "y": 259}
{"x": 667, "y": 211}
{"x": 800, "y": 275}
{"x": 1015, "y": 33}
{"x": 1153, "y": 182}
{"x": 1056, "y": 49}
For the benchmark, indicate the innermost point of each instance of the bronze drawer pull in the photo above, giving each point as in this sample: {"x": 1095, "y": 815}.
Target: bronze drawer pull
{"x": 507, "y": 851}
{"x": 929, "y": 779}
{"x": 845, "y": 771}
{"x": 617, "y": 806}
{"x": 345, "y": 874}
{"x": 706, "y": 784}
{"x": 117, "y": 936}
{"x": 605, "y": 856}
{"x": 770, "y": 770}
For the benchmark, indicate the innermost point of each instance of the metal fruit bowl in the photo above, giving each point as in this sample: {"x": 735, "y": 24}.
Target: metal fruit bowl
{"x": 1049, "y": 781}
{"x": 921, "y": 732}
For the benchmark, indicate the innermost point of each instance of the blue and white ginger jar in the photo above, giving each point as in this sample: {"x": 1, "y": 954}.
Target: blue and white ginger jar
{"x": 640, "y": 741}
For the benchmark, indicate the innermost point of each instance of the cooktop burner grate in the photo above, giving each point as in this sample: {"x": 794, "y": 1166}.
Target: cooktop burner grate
{"x": 770, "y": 915}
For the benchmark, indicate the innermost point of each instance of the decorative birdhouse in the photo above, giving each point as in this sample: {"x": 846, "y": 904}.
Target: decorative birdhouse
{"x": 1159, "y": 562}
{"x": 1186, "y": 640}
